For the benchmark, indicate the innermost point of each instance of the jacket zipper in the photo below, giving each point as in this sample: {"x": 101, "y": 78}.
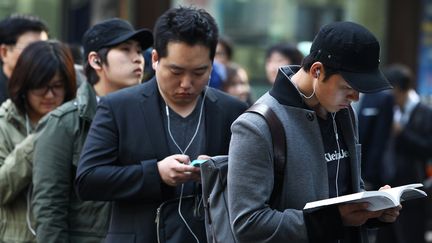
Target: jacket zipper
{"x": 158, "y": 213}
{"x": 157, "y": 223}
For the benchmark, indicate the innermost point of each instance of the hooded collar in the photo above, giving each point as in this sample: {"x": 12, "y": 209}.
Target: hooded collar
{"x": 283, "y": 89}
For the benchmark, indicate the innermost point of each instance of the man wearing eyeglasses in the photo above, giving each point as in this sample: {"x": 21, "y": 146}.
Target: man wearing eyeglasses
{"x": 16, "y": 32}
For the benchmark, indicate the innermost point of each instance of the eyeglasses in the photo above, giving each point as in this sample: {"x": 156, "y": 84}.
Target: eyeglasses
{"x": 56, "y": 89}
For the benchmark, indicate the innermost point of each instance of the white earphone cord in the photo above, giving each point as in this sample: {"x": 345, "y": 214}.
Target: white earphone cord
{"x": 184, "y": 152}
{"x": 339, "y": 152}
{"x": 298, "y": 90}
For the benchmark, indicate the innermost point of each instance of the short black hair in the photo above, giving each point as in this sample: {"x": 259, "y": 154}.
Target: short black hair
{"x": 399, "y": 76}
{"x": 185, "y": 24}
{"x": 12, "y": 27}
{"x": 288, "y": 50}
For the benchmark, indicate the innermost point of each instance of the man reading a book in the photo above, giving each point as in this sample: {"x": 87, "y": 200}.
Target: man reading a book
{"x": 313, "y": 101}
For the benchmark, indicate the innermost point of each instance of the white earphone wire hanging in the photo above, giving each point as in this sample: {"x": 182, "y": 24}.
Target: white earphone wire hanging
{"x": 333, "y": 114}
{"x": 196, "y": 130}
{"x": 184, "y": 152}
{"x": 298, "y": 90}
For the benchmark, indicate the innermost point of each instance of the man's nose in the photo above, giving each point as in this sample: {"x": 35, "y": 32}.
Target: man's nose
{"x": 354, "y": 95}
{"x": 186, "y": 81}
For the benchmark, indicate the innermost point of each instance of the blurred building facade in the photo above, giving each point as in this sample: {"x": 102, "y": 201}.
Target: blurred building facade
{"x": 253, "y": 25}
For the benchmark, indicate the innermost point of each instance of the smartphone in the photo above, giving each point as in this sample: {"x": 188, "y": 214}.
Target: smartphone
{"x": 197, "y": 162}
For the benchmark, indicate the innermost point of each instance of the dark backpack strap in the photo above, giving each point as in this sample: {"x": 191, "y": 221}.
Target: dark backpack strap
{"x": 279, "y": 144}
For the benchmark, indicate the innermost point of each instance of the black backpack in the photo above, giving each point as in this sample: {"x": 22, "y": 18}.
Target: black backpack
{"x": 214, "y": 180}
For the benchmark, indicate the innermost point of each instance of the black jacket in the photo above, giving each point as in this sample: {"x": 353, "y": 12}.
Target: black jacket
{"x": 125, "y": 141}
{"x": 375, "y": 118}
{"x": 413, "y": 147}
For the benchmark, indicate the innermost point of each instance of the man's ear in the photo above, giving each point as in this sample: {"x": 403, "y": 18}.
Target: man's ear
{"x": 3, "y": 51}
{"x": 94, "y": 60}
{"x": 315, "y": 70}
{"x": 155, "y": 59}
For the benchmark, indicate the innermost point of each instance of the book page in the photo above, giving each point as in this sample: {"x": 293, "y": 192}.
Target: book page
{"x": 377, "y": 200}
{"x": 412, "y": 194}
{"x": 406, "y": 192}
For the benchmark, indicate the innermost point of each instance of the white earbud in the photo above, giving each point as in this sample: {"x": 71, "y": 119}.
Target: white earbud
{"x": 317, "y": 73}
{"x": 155, "y": 64}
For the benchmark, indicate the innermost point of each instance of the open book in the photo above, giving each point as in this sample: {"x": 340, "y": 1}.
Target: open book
{"x": 377, "y": 200}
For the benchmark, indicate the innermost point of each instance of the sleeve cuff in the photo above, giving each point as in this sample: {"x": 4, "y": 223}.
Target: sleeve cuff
{"x": 155, "y": 183}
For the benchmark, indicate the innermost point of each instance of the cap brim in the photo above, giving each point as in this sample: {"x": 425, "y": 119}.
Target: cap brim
{"x": 143, "y": 36}
{"x": 367, "y": 82}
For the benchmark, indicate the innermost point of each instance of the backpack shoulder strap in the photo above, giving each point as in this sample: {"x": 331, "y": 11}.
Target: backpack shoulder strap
{"x": 279, "y": 144}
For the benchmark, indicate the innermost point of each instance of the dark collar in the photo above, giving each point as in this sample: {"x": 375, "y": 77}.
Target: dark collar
{"x": 283, "y": 89}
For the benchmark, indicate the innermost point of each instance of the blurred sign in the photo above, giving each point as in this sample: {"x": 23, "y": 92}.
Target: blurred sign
{"x": 425, "y": 56}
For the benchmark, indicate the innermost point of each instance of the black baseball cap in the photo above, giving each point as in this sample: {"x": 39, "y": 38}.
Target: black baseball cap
{"x": 353, "y": 51}
{"x": 112, "y": 32}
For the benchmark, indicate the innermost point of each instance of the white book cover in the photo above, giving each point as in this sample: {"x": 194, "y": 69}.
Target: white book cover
{"x": 378, "y": 200}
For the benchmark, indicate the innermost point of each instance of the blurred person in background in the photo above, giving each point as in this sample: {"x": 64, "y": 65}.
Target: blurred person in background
{"x": 42, "y": 79}
{"x": 113, "y": 60}
{"x": 237, "y": 83}
{"x": 224, "y": 50}
{"x": 148, "y": 69}
{"x": 375, "y": 118}
{"x": 409, "y": 149}
{"x": 223, "y": 56}
{"x": 16, "y": 32}
{"x": 278, "y": 55}
{"x": 77, "y": 52}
